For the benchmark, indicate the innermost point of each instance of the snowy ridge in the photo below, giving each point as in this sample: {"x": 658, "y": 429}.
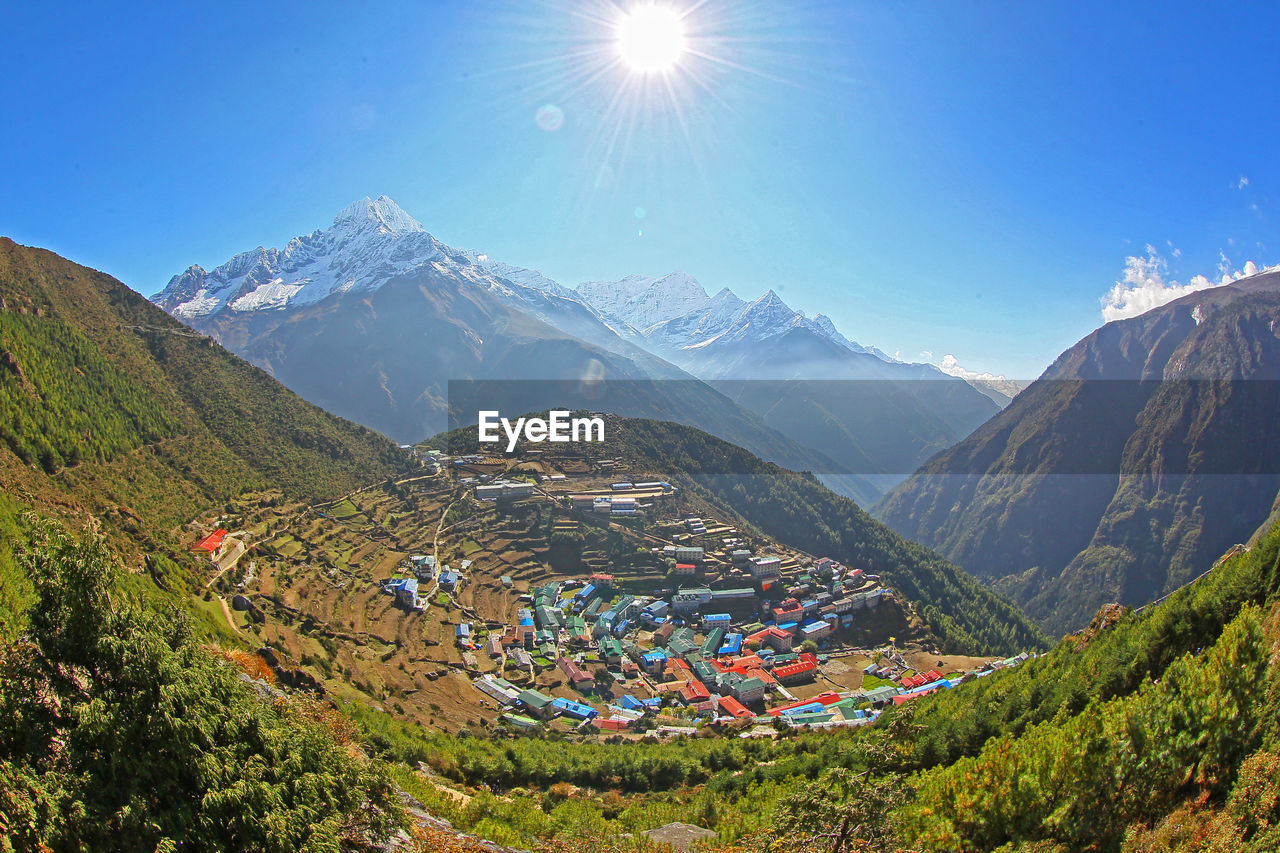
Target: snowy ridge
{"x": 673, "y": 312}
{"x": 641, "y": 302}
{"x": 373, "y": 240}
{"x": 369, "y": 242}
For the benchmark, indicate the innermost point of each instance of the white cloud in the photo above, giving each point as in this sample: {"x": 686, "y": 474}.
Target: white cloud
{"x": 1144, "y": 285}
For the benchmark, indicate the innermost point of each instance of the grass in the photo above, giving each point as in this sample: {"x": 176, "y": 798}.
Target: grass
{"x": 344, "y": 509}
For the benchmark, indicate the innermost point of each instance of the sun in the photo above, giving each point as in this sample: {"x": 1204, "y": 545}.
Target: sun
{"x": 651, "y": 38}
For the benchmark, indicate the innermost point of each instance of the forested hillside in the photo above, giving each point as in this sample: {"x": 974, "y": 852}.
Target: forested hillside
{"x": 119, "y": 731}
{"x": 1158, "y": 732}
{"x": 108, "y": 403}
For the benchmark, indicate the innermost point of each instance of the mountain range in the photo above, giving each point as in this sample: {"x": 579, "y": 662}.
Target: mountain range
{"x": 373, "y": 318}
{"x": 1143, "y": 453}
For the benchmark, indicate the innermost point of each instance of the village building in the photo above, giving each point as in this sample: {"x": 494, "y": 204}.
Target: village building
{"x": 577, "y": 710}
{"x": 796, "y": 673}
{"x": 765, "y": 568}
{"x": 578, "y": 677}
{"x": 537, "y": 704}
{"x": 734, "y": 708}
{"x": 503, "y": 490}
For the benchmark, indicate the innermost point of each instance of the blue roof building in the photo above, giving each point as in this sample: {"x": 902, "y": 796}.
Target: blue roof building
{"x": 406, "y": 591}
{"x": 574, "y": 709}
{"x": 732, "y": 645}
{"x": 631, "y": 703}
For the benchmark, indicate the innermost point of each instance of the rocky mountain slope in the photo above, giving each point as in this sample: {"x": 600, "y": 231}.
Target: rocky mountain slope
{"x": 1144, "y": 452}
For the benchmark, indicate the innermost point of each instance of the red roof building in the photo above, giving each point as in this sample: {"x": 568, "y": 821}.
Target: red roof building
{"x": 694, "y": 691}
{"x": 677, "y": 668}
{"x": 580, "y": 678}
{"x": 743, "y": 663}
{"x": 613, "y": 725}
{"x": 210, "y": 543}
{"x": 795, "y": 672}
{"x": 774, "y": 637}
{"x": 734, "y": 708}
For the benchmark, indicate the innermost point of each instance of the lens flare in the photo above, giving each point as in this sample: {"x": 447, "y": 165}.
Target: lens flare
{"x": 549, "y": 117}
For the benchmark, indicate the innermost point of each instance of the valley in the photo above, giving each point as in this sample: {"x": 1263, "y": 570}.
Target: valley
{"x": 318, "y": 588}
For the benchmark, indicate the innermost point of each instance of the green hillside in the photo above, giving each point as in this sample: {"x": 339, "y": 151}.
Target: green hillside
{"x": 119, "y": 731}
{"x": 120, "y": 408}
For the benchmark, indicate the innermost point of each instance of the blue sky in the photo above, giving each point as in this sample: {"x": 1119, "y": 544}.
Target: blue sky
{"x": 943, "y": 178}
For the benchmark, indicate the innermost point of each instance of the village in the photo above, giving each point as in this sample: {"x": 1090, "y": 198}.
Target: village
{"x": 556, "y": 593}
{"x": 717, "y": 632}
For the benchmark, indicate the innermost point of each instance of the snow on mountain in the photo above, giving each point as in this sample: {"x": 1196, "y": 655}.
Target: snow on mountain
{"x": 721, "y": 319}
{"x": 369, "y": 242}
{"x": 996, "y": 386}
{"x": 641, "y": 302}
{"x": 519, "y": 275}
{"x": 823, "y": 325}
{"x": 372, "y": 241}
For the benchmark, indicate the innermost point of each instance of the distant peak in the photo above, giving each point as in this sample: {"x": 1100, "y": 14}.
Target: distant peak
{"x": 383, "y": 213}
{"x": 678, "y": 275}
{"x": 772, "y": 300}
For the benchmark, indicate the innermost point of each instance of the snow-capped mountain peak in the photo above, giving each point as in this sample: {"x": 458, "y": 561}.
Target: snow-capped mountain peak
{"x": 383, "y": 214}
{"x": 369, "y": 242}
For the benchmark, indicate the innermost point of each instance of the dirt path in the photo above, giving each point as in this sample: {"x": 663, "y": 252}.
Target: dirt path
{"x": 226, "y": 611}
